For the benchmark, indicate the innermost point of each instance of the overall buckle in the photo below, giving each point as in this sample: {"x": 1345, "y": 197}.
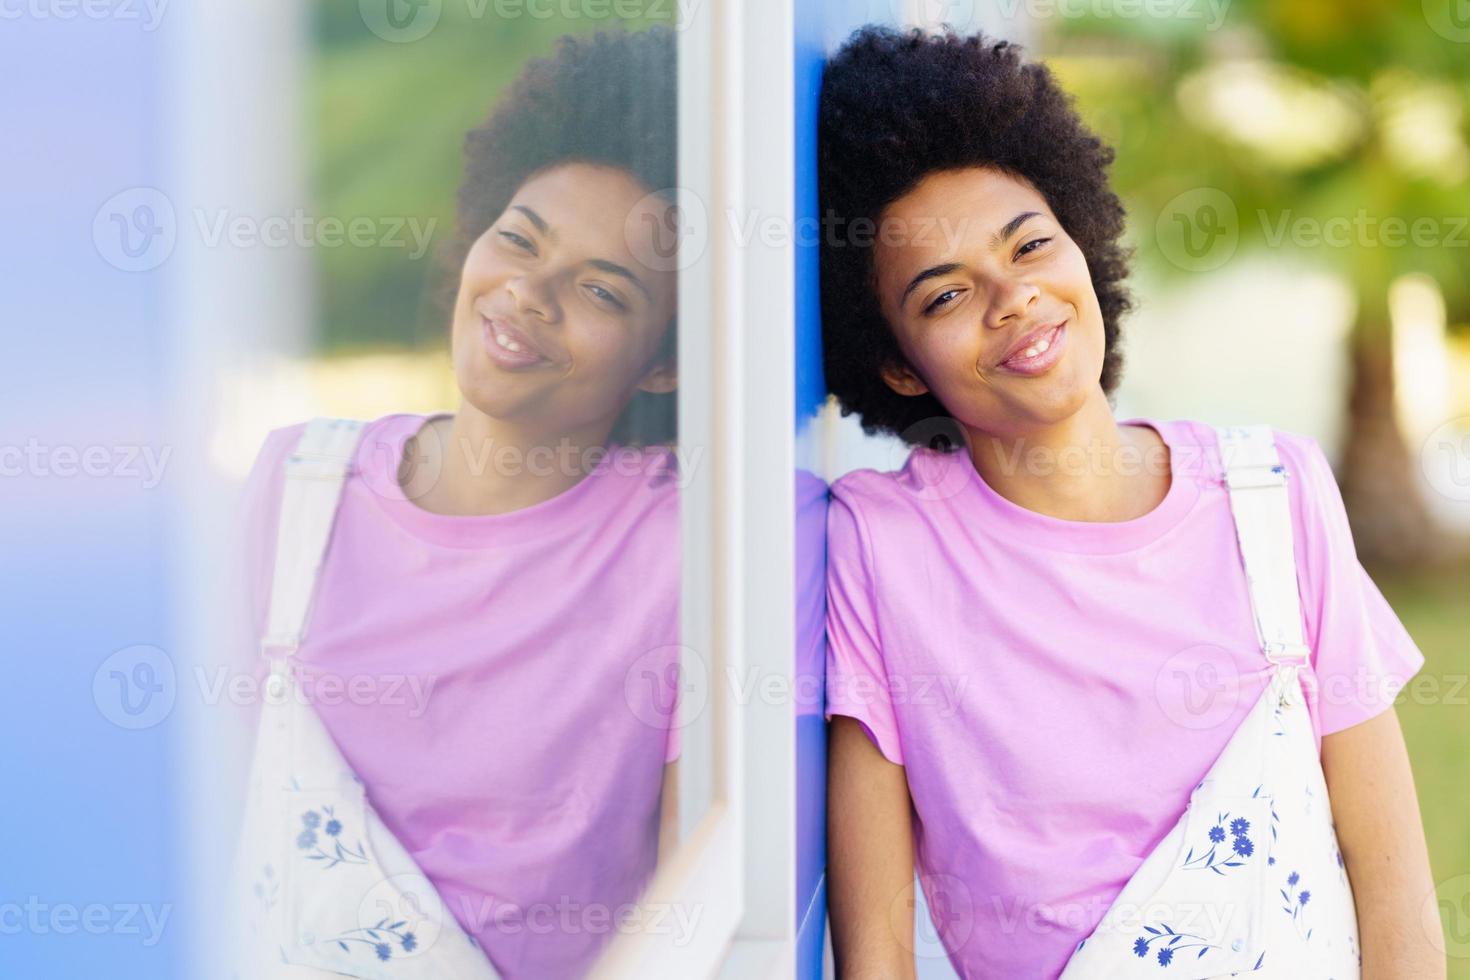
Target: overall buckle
{"x": 1255, "y": 477}
{"x": 1296, "y": 654}
{"x": 1289, "y": 659}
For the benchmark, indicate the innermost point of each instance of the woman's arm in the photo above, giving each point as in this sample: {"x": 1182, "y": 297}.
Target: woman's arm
{"x": 1382, "y": 839}
{"x": 870, "y": 858}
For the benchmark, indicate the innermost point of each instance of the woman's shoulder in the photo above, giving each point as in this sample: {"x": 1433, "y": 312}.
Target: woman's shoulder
{"x": 924, "y": 476}
{"x": 656, "y": 471}
{"x": 1311, "y": 484}
{"x": 281, "y": 442}
{"x": 1196, "y": 439}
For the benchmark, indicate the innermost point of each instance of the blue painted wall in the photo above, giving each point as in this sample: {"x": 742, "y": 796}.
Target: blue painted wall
{"x": 88, "y": 876}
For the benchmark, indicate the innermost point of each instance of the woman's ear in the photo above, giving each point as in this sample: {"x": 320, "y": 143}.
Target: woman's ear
{"x": 902, "y": 379}
{"x": 662, "y": 378}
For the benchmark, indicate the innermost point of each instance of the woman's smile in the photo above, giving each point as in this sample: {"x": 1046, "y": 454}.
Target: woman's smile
{"x": 1037, "y": 355}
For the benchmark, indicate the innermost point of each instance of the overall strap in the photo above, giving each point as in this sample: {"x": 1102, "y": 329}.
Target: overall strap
{"x": 1258, "y": 499}
{"x": 314, "y": 475}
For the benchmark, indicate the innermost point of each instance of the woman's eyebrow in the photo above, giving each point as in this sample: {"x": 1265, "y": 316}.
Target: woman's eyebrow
{"x": 609, "y": 267}
{"x": 618, "y": 270}
{"x": 1010, "y": 228}
{"x": 929, "y": 273}
{"x": 531, "y": 216}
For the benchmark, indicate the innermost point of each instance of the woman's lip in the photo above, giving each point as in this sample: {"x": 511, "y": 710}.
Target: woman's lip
{"x": 502, "y": 356}
{"x": 1042, "y": 362}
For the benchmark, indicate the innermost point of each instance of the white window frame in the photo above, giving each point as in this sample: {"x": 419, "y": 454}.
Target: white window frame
{"x": 736, "y": 866}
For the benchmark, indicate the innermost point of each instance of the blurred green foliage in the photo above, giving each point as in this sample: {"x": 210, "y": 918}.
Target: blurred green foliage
{"x": 1370, "y": 60}
{"x": 1436, "y": 722}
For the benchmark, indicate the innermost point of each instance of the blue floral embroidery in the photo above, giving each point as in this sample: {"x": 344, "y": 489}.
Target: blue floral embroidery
{"x": 266, "y": 888}
{"x": 1241, "y": 845}
{"x": 379, "y": 937}
{"x": 1294, "y": 906}
{"x": 340, "y": 854}
{"x": 1176, "y": 942}
{"x": 1270, "y": 857}
{"x": 1337, "y": 856}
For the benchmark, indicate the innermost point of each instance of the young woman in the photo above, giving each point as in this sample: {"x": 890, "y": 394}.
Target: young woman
{"x": 1046, "y": 660}
{"x": 498, "y": 582}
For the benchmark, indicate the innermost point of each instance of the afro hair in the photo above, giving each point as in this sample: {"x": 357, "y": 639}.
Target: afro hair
{"x": 898, "y": 106}
{"x": 609, "y": 99}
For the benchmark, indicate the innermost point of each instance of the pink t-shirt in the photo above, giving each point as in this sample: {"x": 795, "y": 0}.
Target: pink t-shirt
{"x": 502, "y": 723}
{"x": 1056, "y": 688}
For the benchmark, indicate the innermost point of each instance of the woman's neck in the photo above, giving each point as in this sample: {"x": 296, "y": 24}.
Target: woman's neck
{"x": 1084, "y": 468}
{"x": 470, "y": 463}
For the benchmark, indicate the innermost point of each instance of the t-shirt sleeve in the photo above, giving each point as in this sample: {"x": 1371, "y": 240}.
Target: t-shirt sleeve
{"x": 1361, "y": 653}
{"x": 857, "y": 683}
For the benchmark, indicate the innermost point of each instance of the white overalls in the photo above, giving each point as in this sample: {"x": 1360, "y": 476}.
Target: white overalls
{"x": 1250, "y": 879}
{"x": 324, "y": 888}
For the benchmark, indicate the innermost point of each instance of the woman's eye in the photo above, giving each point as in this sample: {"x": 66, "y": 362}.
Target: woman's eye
{"x": 941, "y": 299}
{"x": 606, "y": 296}
{"x": 517, "y": 241}
{"x": 1038, "y": 242}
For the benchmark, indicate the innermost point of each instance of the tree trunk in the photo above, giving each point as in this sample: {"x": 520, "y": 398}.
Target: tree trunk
{"x": 1378, "y": 474}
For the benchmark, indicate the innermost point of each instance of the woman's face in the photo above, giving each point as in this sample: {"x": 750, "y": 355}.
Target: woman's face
{"x": 970, "y": 264}
{"x": 556, "y": 322}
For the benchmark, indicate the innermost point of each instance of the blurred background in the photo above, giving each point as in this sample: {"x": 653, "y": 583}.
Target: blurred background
{"x": 1297, "y": 178}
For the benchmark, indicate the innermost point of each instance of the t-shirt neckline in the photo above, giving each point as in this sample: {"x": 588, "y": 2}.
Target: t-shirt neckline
{"x": 377, "y": 464}
{"x": 1028, "y": 527}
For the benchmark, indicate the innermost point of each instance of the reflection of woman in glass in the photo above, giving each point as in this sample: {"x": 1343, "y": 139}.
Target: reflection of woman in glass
{"x": 1040, "y": 634}
{"x": 492, "y": 628}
